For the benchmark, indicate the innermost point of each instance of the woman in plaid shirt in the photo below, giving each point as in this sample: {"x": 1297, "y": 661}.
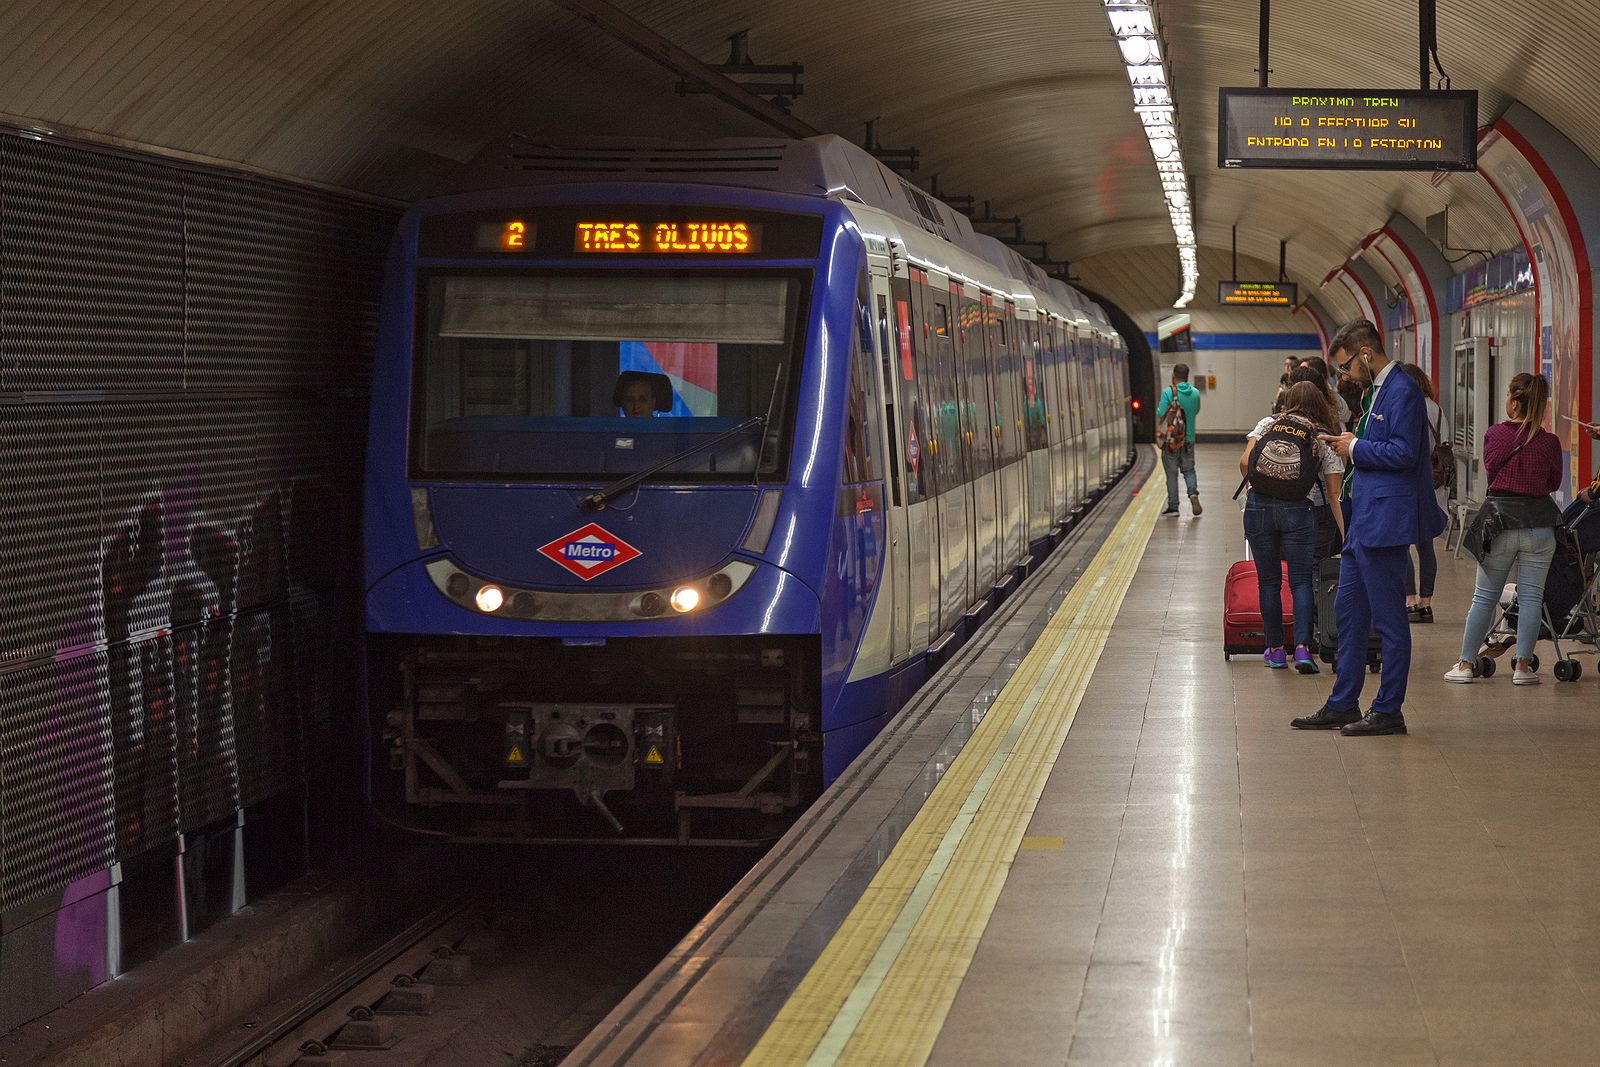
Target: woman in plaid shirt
{"x": 1524, "y": 464}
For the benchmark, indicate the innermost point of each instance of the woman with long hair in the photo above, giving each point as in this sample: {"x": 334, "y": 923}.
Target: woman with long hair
{"x": 1329, "y": 541}
{"x": 1419, "y": 599}
{"x": 1283, "y": 531}
{"x": 1515, "y": 528}
{"x": 1341, "y": 409}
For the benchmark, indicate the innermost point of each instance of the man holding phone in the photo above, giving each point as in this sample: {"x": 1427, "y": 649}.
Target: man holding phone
{"x": 1389, "y": 507}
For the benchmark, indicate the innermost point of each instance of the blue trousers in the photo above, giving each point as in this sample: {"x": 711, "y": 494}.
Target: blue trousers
{"x": 1283, "y": 532}
{"x": 1372, "y": 596}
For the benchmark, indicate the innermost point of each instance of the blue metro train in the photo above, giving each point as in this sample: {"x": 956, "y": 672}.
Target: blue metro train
{"x": 687, "y": 464}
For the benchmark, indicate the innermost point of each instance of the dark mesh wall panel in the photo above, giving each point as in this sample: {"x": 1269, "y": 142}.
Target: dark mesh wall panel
{"x": 93, "y": 281}
{"x": 56, "y": 800}
{"x": 50, "y": 529}
{"x": 184, "y": 358}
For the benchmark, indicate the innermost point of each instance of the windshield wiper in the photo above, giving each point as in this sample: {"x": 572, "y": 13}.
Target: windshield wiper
{"x": 597, "y": 499}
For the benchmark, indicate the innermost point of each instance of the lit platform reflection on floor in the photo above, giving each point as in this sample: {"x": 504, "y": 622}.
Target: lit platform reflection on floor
{"x": 1185, "y": 879}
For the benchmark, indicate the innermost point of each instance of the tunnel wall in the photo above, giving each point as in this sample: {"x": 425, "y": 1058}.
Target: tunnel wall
{"x": 184, "y": 357}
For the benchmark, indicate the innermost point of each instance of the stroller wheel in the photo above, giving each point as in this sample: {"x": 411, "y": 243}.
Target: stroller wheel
{"x": 1568, "y": 670}
{"x": 1533, "y": 662}
{"x": 1485, "y": 667}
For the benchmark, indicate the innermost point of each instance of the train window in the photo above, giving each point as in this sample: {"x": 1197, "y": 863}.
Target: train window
{"x": 1033, "y": 390}
{"x": 861, "y": 406}
{"x": 974, "y": 368}
{"x": 887, "y": 364}
{"x": 532, "y": 375}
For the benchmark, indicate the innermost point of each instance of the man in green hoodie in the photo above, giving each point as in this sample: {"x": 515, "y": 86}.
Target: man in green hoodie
{"x": 1188, "y": 399}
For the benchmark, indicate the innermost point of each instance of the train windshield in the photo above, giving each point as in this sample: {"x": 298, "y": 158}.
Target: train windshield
{"x": 566, "y": 376}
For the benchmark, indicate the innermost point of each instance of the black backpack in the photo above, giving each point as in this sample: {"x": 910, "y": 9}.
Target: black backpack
{"x": 1283, "y": 463}
{"x": 1443, "y": 457}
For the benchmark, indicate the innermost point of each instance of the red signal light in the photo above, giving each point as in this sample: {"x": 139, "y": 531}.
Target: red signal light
{"x": 1137, "y": 404}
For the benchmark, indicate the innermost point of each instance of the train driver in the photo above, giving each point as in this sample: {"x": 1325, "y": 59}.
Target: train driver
{"x": 640, "y": 394}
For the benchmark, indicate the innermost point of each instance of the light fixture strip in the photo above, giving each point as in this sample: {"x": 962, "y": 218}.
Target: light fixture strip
{"x": 1138, "y": 34}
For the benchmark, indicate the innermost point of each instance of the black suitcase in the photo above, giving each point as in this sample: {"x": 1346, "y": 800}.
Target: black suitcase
{"x": 1327, "y": 588}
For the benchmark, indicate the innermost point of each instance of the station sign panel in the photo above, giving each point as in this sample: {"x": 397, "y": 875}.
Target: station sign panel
{"x": 1348, "y": 129}
{"x": 1258, "y": 294}
{"x": 620, "y": 231}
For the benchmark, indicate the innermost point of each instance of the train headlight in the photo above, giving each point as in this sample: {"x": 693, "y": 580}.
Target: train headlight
{"x": 685, "y": 599}
{"x": 720, "y": 585}
{"x": 650, "y": 604}
{"x": 490, "y": 598}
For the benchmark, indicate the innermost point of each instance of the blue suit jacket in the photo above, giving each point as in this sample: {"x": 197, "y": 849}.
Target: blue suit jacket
{"x": 1392, "y": 501}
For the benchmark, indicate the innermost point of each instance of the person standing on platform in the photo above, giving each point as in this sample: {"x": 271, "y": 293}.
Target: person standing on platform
{"x": 1516, "y": 527}
{"x": 1419, "y": 582}
{"x": 1391, "y": 507}
{"x": 1183, "y": 394}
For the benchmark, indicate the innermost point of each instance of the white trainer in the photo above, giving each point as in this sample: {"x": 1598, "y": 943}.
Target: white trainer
{"x": 1522, "y": 677}
{"x": 1458, "y": 674}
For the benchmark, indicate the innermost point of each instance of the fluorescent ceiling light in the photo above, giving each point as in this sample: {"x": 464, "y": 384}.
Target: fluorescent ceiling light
{"x": 1133, "y": 23}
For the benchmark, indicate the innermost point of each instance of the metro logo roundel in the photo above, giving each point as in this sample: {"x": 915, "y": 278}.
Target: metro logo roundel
{"x": 589, "y": 552}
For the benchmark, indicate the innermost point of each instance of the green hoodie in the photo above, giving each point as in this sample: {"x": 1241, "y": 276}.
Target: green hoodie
{"x": 1188, "y": 400}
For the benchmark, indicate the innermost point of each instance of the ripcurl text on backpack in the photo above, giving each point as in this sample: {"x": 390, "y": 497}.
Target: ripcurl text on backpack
{"x": 1283, "y": 463}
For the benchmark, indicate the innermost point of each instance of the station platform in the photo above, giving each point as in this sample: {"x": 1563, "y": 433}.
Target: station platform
{"x": 1092, "y": 840}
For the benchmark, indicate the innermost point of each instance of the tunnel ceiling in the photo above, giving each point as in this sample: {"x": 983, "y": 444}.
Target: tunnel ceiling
{"x": 1024, "y": 105}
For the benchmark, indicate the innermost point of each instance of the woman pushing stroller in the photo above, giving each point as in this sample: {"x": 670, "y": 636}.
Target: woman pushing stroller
{"x": 1516, "y": 527}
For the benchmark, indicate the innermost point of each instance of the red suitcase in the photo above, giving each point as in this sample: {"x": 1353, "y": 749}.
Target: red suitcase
{"x": 1241, "y": 610}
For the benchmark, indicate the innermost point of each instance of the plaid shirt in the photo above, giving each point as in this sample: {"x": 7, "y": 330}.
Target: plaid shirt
{"x": 1534, "y": 469}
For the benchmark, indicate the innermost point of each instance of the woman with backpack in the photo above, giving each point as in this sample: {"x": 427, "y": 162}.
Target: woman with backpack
{"x": 1419, "y": 601}
{"x": 1289, "y": 471}
{"x": 1515, "y": 528}
{"x": 1329, "y": 539}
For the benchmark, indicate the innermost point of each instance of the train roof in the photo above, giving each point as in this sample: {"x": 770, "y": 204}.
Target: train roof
{"x": 826, "y": 166}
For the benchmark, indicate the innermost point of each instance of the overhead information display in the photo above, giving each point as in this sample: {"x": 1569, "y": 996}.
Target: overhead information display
{"x": 1258, "y": 294}
{"x": 1348, "y": 129}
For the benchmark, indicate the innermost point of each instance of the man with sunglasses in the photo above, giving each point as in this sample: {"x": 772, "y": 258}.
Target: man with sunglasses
{"x": 1389, "y": 506}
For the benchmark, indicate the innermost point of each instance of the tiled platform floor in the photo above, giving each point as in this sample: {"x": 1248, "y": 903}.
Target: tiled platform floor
{"x": 1229, "y": 890}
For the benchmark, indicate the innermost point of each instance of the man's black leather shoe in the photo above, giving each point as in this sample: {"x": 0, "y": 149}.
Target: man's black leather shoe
{"x": 1326, "y": 719}
{"x": 1376, "y": 723}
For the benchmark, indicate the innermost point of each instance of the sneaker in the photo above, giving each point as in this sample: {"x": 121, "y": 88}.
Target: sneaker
{"x": 1194, "y": 505}
{"x": 1275, "y": 658}
{"x": 1459, "y": 674}
{"x": 1524, "y": 677}
{"x": 1165, "y": 512}
{"x": 1304, "y": 661}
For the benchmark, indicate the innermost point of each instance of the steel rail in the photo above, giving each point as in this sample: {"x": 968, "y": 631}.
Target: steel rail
{"x": 341, "y": 984}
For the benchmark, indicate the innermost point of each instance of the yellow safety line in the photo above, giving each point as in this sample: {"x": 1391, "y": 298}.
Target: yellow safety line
{"x": 881, "y": 989}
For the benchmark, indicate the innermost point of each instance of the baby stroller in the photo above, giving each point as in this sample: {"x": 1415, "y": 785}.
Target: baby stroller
{"x": 1571, "y": 591}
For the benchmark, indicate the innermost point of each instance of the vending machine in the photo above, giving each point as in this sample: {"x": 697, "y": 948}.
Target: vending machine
{"x": 1475, "y": 390}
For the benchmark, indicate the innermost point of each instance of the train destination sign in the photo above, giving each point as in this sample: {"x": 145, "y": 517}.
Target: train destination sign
{"x": 1348, "y": 129}
{"x": 613, "y": 231}
{"x": 1258, "y": 294}
{"x": 725, "y": 236}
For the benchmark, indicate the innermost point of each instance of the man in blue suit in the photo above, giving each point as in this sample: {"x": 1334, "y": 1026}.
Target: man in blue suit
{"x": 1389, "y": 483}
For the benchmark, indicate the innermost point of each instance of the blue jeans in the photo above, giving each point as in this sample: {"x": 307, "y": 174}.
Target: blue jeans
{"x": 1279, "y": 532}
{"x": 1172, "y": 463}
{"x": 1530, "y": 551}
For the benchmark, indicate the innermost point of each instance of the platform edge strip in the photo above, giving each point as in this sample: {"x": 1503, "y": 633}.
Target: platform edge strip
{"x": 842, "y": 988}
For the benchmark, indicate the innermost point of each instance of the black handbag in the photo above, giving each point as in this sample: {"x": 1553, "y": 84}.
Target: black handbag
{"x": 1501, "y": 513}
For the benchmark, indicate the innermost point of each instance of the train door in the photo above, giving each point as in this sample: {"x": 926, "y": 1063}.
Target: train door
{"x": 927, "y": 518}
{"x": 1076, "y": 459}
{"x": 1091, "y": 409}
{"x": 1011, "y": 444}
{"x": 1036, "y": 444}
{"x": 1061, "y": 458}
{"x": 950, "y": 446}
{"x": 987, "y": 452}
{"x": 1050, "y": 397}
{"x": 974, "y": 397}
{"x": 892, "y": 316}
